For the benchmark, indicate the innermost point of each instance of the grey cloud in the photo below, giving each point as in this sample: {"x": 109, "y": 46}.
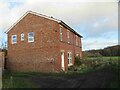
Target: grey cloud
{"x": 73, "y": 13}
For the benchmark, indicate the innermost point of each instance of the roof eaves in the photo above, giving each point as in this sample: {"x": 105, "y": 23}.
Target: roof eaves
{"x": 69, "y": 28}
{"x": 16, "y": 22}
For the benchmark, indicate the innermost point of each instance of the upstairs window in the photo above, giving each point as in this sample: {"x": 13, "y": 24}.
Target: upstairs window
{"x": 77, "y": 55}
{"x": 14, "y": 39}
{"x": 68, "y": 36}
{"x": 80, "y": 43}
{"x": 69, "y": 58}
{"x": 31, "y": 37}
{"x": 76, "y": 40}
{"x": 61, "y": 34}
{"x": 22, "y": 37}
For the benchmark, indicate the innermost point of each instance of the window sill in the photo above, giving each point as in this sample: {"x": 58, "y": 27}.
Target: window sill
{"x": 30, "y": 41}
{"x": 68, "y": 42}
{"x": 14, "y": 43}
{"x": 70, "y": 64}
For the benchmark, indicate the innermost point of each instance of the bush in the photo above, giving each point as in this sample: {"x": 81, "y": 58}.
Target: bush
{"x": 83, "y": 66}
{"x": 77, "y": 61}
{"x": 71, "y": 68}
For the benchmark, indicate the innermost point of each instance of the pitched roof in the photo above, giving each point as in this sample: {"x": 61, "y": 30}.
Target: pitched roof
{"x": 48, "y": 17}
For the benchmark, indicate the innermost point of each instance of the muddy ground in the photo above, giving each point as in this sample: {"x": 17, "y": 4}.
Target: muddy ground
{"x": 96, "y": 79}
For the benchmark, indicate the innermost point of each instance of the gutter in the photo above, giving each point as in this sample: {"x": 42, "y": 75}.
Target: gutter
{"x": 65, "y": 25}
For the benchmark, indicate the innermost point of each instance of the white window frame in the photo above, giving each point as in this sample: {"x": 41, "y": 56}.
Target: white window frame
{"x": 69, "y": 59}
{"x": 77, "y": 55}
{"x": 22, "y": 37}
{"x": 68, "y": 36}
{"x": 30, "y": 37}
{"x": 61, "y": 34}
{"x": 12, "y": 39}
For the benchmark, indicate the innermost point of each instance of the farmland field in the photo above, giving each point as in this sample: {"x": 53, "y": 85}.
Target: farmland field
{"x": 106, "y": 58}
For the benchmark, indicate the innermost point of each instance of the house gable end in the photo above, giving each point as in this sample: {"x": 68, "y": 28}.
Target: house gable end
{"x": 46, "y": 17}
{"x": 33, "y": 13}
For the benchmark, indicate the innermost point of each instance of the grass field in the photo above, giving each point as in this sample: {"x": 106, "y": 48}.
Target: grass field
{"x": 113, "y": 62}
{"x": 22, "y": 80}
{"x": 106, "y": 58}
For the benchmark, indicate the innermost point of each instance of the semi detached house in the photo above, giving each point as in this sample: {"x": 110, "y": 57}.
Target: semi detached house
{"x": 39, "y": 43}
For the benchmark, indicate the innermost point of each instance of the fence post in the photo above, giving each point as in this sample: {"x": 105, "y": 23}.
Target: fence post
{"x": 0, "y": 59}
{"x": 0, "y": 70}
{"x": 3, "y": 60}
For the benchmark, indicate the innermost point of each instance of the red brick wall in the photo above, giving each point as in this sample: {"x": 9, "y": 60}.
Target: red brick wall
{"x": 69, "y": 47}
{"x": 38, "y": 55}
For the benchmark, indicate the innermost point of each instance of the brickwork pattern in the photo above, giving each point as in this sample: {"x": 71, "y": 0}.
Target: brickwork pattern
{"x": 44, "y": 53}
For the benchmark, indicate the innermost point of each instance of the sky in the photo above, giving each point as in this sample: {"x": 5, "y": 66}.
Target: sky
{"x": 95, "y": 20}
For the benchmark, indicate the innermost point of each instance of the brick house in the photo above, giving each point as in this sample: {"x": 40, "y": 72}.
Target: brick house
{"x": 38, "y": 42}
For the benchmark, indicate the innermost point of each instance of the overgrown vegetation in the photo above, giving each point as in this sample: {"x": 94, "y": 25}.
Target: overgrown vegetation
{"x": 78, "y": 61}
{"x": 92, "y": 62}
{"x": 82, "y": 66}
{"x": 95, "y": 63}
{"x": 16, "y": 81}
{"x": 115, "y": 83}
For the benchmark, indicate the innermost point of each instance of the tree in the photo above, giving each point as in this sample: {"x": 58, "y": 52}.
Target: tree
{"x": 4, "y": 47}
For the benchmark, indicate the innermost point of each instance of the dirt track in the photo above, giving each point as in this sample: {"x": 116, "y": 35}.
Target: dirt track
{"x": 96, "y": 79}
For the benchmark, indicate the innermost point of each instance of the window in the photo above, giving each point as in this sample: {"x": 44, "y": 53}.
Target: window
{"x": 80, "y": 43}
{"x": 31, "y": 37}
{"x": 76, "y": 40}
{"x": 77, "y": 55}
{"x": 68, "y": 37}
{"x": 22, "y": 37}
{"x": 61, "y": 33}
{"x": 14, "y": 39}
{"x": 69, "y": 58}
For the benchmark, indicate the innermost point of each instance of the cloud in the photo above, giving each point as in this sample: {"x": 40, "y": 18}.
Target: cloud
{"x": 76, "y": 12}
{"x": 96, "y": 25}
{"x": 89, "y": 44}
{"x": 100, "y": 25}
{"x": 70, "y": 12}
{"x": 90, "y": 18}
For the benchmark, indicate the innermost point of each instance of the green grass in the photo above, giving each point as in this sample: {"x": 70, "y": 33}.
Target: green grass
{"x": 115, "y": 83}
{"x": 106, "y": 57}
{"x": 16, "y": 80}
{"x": 21, "y": 79}
{"x": 111, "y": 62}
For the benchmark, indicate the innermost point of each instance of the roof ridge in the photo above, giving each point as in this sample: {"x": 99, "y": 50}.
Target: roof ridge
{"x": 33, "y": 12}
{"x": 45, "y": 16}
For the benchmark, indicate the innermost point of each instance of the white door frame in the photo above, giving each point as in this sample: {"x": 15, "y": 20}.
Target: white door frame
{"x": 63, "y": 60}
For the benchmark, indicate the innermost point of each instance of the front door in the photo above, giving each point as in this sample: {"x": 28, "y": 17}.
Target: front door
{"x": 62, "y": 61}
